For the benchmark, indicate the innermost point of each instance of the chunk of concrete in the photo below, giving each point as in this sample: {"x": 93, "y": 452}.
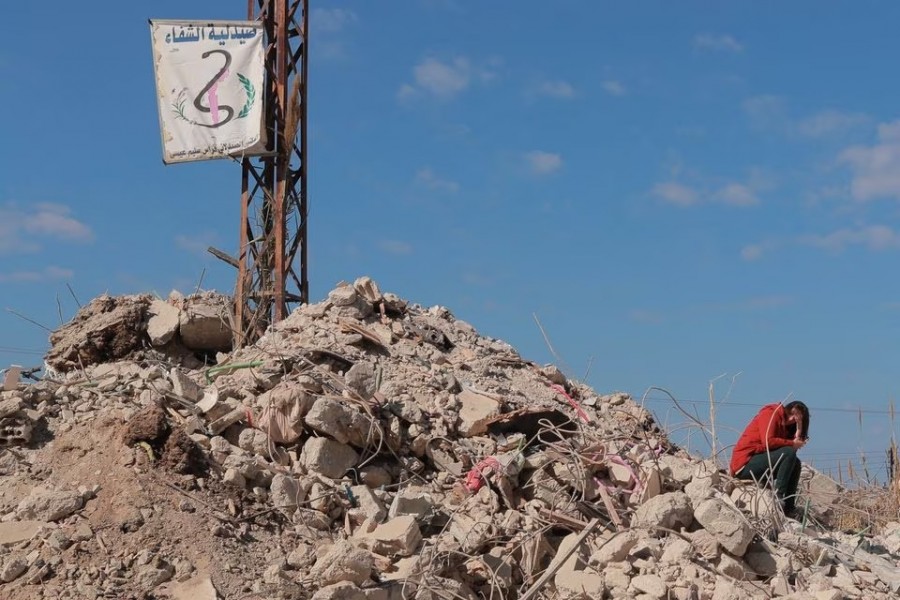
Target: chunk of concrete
{"x": 615, "y": 549}
{"x": 204, "y": 324}
{"x": 412, "y": 501}
{"x": 184, "y": 386}
{"x": 163, "y": 323}
{"x": 50, "y": 505}
{"x": 760, "y": 561}
{"x": 670, "y": 511}
{"x": 340, "y": 421}
{"x": 705, "y": 544}
{"x": 12, "y": 568}
{"x": 286, "y": 493}
{"x": 580, "y": 584}
{"x": 199, "y": 587}
{"x": 475, "y": 412}
{"x": 677, "y": 550}
{"x": 571, "y": 579}
{"x": 368, "y": 505}
{"x": 397, "y": 537}
{"x": 726, "y": 523}
{"x": 651, "y": 585}
{"x": 343, "y": 590}
{"x": 343, "y": 562}
{"x": 328, "y": 457}
{"x": 679, "y": 469}
{"x": 13, "y": 532}
{"x": 10, "y": 407}
{"x": 472, "y": 531}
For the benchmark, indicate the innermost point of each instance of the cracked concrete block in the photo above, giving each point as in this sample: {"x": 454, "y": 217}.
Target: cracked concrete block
{"x": 671, "y": 511}
{"x": 726, "y": 523}
{"x": 163, "y": 323}
{"x": 328, "y": 457}
{"x": 397, "y": 537}
{"x": 343, "y": 562}
{"x": 474, "y": 413}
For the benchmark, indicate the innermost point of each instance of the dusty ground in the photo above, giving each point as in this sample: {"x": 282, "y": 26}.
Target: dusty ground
{"x": 142, "y": 507}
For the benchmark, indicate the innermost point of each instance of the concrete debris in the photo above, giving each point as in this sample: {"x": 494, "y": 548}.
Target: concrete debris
{"x": 370, "y": 448}
{"x": 199, "y": 587}
{"x": 726, "y": 524}
{"x": 162, "y": 325}
{"x": 204, "y": 322}
{"x": 343, "y": 562}
{"x": 13, "y": 532}
{"x": 112, "y": 328}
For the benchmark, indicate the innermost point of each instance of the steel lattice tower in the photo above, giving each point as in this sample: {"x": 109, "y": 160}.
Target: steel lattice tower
{"x": 273, "y": 227}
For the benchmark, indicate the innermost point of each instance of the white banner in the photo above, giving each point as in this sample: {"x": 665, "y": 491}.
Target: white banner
{"x": 209, "y": 88}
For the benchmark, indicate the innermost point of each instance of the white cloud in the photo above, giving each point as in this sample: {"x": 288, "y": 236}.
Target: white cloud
{"x": 46, "y": 274}
{"x": 717, "y": 43}
{"x": 767, "y": 111}
{"x": 395, "y": 247}
{"x": 830, "y": 122}
{"x": 876, "y": 169}
{"x": 556, "y": 89}
{"x": 331, "y": 20}
{"x": 543, "y": 163}
{"x": 752, "y": 252}
{"x": 427, "y": 178}
{"x": 876, "y": 238}
{"x": 736, "y": 194}
{"x": 771, "y": 112}
{"x": 676, "y": 193}
{"x": 22, "y": 228}
{"x": 444, "y": 80}
{"x": 731, "y": 194}
{"x": 873, "y": 237}
{"x": 614, "y": 88}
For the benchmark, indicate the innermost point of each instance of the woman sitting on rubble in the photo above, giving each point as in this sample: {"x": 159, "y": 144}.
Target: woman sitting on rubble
{"x": 769, "y": 447}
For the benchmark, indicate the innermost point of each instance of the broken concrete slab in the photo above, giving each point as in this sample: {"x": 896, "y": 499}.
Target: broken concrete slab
{"x": 343, "y": 562}
{"x": 397, "y": 537}
{"x": 199, "y": 587}
{"x": 204, "y": 323}
{"x": 475, "y": 411}
{"x": 184, "y": 386}
{"x": 328, "y": 457}
{"x": 11, "y": 379}
{"x": 50, "y": 505}
{"x": 13, "y": 532}
{"x": 162, "y": 326}
{"x": 670, "y": 511}
{"x": 340, "y": 421}
{"x": 726, "y": 524}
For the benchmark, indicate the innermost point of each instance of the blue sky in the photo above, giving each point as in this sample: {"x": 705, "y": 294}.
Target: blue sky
{"x": 677, "y": 190}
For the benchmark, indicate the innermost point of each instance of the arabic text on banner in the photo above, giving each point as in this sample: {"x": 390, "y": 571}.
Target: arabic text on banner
{"x": 209, "y": 87}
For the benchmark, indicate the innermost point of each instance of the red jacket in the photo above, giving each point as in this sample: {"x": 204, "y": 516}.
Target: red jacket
{"x": 768, "y": 424}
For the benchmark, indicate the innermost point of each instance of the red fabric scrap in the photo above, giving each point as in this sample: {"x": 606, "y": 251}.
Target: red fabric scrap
{"x": 475, "y": 478}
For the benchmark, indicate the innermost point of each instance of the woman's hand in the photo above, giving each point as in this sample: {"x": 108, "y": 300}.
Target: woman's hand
{"x": 798, "y": 443}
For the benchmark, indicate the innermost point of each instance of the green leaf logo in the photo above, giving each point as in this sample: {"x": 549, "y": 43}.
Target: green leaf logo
{"x": 251, "y": 96}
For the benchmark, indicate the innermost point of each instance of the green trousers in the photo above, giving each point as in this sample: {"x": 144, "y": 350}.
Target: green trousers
{"x": 786, "y": 469}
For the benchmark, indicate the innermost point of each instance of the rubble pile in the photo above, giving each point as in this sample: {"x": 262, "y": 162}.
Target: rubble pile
{"x": 370, "y": 448}
{"x": 180, "y": 330}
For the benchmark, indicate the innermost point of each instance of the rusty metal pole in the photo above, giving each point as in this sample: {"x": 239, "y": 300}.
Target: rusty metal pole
{"x": 274, "y": 202}
{"x": 284, "y": 154}
{"x": 304, "y": 206}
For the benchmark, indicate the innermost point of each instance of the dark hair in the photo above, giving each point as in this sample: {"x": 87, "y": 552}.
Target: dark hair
{"x": 804, "y": 424}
